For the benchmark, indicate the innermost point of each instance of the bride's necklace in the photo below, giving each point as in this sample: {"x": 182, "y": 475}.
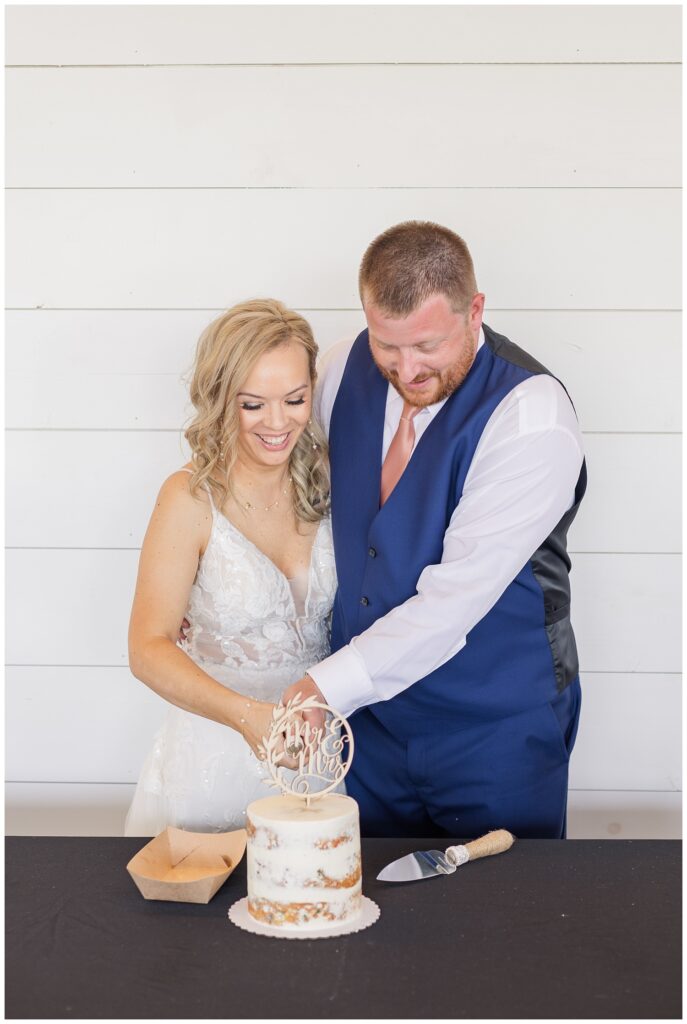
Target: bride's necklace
{"x": 265, "y": 508}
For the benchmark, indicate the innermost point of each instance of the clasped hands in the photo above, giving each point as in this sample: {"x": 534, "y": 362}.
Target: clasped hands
{"x": 258, "y": 720}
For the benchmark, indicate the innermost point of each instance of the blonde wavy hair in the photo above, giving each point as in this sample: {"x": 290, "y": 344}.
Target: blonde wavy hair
{"x": 227, "y": 351}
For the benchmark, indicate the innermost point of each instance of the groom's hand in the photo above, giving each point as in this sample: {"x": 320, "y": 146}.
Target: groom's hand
{"x": 307, "y": 687}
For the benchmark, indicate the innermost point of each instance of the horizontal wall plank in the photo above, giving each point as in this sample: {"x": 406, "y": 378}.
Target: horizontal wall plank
{"x": 123, "y": 368}
{"x": 533, "y": 249}
{"x": 77, "y": 809}
{"x": 614, "y": 516}
{"x": 638, "y": 718}
{"x": 122, "y": 716}
{"x": 66, "y": 809}
{"x": 96, "y": 125}
{"x": 82, "y": 601}
{"x": 635, "y": 716}
{"x": 626, "y": 609}
{"x": 616, "y": 815}
{"x": 101, "y": 401}
{"x": 102, "y": 488}
{"x": 228, "y": 34}
{"x": 114, "y": 342}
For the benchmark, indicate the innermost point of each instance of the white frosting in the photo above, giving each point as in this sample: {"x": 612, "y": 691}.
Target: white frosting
{"x": 293, "y": 808}
{"x": 303, "y": 855}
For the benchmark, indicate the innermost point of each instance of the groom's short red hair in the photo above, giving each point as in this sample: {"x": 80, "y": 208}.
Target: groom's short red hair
{"x": 409, "y": 262}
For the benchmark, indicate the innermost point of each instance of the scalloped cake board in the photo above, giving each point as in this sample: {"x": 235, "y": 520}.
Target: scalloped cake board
{"x": 238, "y": 915}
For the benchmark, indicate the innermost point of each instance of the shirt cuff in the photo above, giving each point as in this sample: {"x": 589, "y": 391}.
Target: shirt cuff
{"x": 344, "y": 681}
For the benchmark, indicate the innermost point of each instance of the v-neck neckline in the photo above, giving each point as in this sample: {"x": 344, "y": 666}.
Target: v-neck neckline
{"x": 269, "y": 561}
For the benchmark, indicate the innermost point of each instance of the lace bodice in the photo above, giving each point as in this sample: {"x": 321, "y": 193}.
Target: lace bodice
{"x": 248, "y": 619}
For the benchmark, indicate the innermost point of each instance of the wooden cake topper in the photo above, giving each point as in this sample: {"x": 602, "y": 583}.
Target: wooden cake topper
{"x": 321, "y": 753}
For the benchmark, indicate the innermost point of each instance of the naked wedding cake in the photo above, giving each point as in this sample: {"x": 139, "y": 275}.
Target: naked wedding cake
{"x": 303, "y": 862}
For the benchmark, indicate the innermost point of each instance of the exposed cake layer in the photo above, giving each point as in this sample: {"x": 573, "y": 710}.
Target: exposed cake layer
{"x": 300, "y": 915}
{"x": 303, "y": 862}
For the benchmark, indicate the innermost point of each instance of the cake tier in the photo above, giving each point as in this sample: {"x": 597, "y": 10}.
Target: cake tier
{"x": 303, "y": 862}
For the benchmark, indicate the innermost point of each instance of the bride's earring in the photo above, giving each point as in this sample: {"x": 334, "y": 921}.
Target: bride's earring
{"x": 314, "y": 444}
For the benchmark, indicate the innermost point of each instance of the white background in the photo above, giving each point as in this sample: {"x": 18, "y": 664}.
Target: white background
{"x": 167, "y": 162}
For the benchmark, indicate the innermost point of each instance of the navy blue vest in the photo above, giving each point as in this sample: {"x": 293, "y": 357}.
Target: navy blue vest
{"x": 522, "y": 653}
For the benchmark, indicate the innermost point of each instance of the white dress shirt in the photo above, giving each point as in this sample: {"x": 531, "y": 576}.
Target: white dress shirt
{"x": 521, "y": 480}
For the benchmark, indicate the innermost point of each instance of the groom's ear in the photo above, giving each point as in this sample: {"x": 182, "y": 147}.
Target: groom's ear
{"x": 476, "y": 311}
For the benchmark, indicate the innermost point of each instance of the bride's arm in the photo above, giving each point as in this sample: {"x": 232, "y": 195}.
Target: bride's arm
{"x": 178, "y": 531}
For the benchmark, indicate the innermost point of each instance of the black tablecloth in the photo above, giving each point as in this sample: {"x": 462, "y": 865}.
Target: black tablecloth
{"x": 563, "y": 929}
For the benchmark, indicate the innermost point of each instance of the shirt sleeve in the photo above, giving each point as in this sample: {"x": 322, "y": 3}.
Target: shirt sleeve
{"x": 330, "y": 371}
{"x": 521, "y": 481}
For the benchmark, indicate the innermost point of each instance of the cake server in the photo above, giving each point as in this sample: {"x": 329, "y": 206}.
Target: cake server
{"x": 430, "y": 863}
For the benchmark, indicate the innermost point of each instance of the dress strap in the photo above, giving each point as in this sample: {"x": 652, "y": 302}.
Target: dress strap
{"x": 206, "y": 488}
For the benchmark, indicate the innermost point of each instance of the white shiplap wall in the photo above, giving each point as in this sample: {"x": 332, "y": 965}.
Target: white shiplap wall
{"x": 165, "y": 162}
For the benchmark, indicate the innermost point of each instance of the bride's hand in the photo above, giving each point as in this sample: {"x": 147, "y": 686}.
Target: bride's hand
{"x": 255, "y": 727}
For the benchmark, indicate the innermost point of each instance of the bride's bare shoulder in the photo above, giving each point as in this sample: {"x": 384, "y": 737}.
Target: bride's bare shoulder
{"x": 177, "y": 499}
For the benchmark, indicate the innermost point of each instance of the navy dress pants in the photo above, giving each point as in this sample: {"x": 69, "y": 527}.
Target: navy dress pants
{"x": 509, "y": 773}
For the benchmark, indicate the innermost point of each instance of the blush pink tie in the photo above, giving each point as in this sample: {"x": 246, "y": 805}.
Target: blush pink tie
{"x": 400, "y": 450}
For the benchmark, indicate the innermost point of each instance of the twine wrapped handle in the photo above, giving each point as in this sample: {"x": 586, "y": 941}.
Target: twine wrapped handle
{"x": 493, "y": 842}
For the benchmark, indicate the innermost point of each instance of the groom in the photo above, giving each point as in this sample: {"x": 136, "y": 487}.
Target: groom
{"x": 457, "y": 469}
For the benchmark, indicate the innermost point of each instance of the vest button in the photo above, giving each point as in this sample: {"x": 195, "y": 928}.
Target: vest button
{"x": 372, "y": 552}
{"x": 365, "y": 601}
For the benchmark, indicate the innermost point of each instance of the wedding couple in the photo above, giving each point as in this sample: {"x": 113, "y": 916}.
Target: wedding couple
{"x": 431, "y": 527}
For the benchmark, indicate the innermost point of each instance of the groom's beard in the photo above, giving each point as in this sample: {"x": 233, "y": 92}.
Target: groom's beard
{"x": 444, "y": 382}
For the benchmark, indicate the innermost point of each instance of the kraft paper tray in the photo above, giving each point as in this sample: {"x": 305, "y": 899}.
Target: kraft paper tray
{"x": 186, "y": 867}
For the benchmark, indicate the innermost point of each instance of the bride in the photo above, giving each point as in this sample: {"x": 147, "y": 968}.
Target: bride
{"x": 240, "y": 544}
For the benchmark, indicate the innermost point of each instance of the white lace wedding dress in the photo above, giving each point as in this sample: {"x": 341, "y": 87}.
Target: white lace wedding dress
{"x": 256, "y": 632}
